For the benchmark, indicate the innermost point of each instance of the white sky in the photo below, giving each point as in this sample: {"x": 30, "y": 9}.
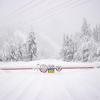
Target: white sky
{"x": 49, "y": 18}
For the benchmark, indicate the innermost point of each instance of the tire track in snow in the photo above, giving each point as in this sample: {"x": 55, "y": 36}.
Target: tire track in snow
{"x": 80, "y": 88}
{"x": 12, "y": 94}
{"x": 53, "y": 89}
{"x": 32, "y": 90}
{"x": 10, "y": 84}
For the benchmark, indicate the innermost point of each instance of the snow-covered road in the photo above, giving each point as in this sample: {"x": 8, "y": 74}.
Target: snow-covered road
{"x": 66, "y": 85}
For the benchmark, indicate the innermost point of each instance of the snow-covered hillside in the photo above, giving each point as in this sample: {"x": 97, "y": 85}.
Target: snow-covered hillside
{"x": 32, "y": 85}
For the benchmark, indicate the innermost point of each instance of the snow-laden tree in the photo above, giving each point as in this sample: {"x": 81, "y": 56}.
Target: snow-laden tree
{"x": 24, "y": 51}
{"x": 96, "y": 37}
{"x": 83, "y": 43}
{"x": 67, "y": 51}
{"x": 96, "y": 34}
{"x": 31, "y": 46}
{"x": 86, "y": 32}
{"x": 86, "y": 52}
{"x": 18, "y": 53}
{"x": 12, "y": 53}
{"x": 97, "y": 57}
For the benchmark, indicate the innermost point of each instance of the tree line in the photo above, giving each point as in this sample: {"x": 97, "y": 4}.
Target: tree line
{"x": 21, "y": 52}
{"x": 83, "y": 46}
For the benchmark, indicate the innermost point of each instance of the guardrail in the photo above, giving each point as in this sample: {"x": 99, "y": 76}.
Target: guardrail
{"x": 44, "y": 68}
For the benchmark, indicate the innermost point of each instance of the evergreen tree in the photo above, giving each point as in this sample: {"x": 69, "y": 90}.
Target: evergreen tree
{"x": 31, "y": 46}
{"x": 83, "y": 50}
{"x": 96, "y": 34}
{"x": 68, "y": 49}
{"x": 85, "y": 29}
{"x": 12, "y": 53}
{"x": 19, "y": 53}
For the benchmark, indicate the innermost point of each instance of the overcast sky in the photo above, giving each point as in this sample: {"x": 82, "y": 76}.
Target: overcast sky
{"x": 49, "y": 18}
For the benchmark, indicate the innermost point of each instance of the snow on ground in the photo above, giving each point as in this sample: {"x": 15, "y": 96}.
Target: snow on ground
{"x": 47, "y": 62}
{"x": 78, "y": 84}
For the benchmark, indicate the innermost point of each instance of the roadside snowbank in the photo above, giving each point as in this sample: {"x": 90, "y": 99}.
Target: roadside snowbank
{"x": 47, "y": 62}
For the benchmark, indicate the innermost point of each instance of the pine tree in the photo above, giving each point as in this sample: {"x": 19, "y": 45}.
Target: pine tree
{"x": 83, "y": 49}
{"x": 19, "y": 53}
{"x": 86, "y": 33}
{"x": 12, "y": 53}
{"x": 96, "y": 34}
{"x": 24, "y": 50}
{"x": 31, "y": 46}
{"x": 68, "y": 49}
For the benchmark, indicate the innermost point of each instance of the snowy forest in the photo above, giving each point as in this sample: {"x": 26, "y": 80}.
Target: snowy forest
{"x": 83, "y": 46}
{"x": 21, "y": 51}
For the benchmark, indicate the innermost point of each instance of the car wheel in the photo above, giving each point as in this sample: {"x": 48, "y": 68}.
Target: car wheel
{"x": 58, "y": 69}
{"x": 43, "y": 69}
